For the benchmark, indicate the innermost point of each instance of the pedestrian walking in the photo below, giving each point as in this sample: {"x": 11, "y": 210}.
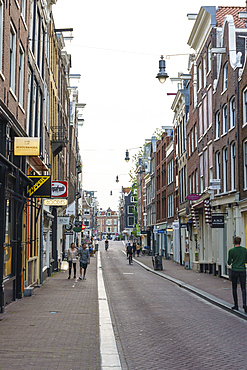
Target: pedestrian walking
{"x": 138, "y": 248}
{"x": 72, "y": 259}
{"x": 237, "y": 258}
{"x": 134, "y": 248}
{"x": 84, "y": 255}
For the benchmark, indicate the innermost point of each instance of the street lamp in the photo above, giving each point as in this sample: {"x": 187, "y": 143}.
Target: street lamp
{"x": 127, "y": 158}
{"x": 162, "y": 75}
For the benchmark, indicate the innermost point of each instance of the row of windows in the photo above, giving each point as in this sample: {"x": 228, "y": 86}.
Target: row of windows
{"x": 222, "y": 160}
{"x": 192, "y": 140}
{"x": 221, "y": 128}
{"x": 203, "y": 68}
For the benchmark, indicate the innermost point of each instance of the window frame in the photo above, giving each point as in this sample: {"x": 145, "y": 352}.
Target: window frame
{"x": 233, "y": 166}
{"x": 225, "y": 170}
{"x": 217, "y": 125}
{"x": 12, "y": 58}
{"x": 232, "y": 112}
{"x": 224, "y": 123}
{"x": 225, "y": 76}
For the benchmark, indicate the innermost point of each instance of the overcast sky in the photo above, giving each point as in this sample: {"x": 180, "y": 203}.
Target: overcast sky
{"x": 116, "y": 49}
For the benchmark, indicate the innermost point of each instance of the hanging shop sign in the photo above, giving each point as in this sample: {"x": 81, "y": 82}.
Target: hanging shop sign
{"x": 41, "y": 187}
{"x": 218, "y": 221}
{"x": 59, "y": 189}
{"x": 55, "y": 202}
{"x": 68, "y": 227}
{"x": 27, "y": 146}
{"x": 63, "y": 220}
{"x": 193, "y": 197}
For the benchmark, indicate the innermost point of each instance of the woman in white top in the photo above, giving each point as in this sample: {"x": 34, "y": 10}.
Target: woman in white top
{"x": 72, "y": 259}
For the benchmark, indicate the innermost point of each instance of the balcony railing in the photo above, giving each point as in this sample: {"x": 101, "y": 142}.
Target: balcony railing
{"x": 59, "y": 139}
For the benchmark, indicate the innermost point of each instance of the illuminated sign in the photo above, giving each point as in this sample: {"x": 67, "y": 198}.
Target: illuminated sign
{"x": 55, "y": 202}
{"x": 59, "y": 189}
{"x": 41, "y": 187}
{"x": 27, "y": 146}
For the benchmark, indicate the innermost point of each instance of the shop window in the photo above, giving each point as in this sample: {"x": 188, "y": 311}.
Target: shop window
{"x": 7, "y": 259}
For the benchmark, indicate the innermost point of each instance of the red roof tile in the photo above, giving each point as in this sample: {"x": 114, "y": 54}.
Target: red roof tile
{"x": 222, "y": 11}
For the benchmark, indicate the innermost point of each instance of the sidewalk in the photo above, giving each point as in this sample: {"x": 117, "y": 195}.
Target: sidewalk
{"x": 56, "y": 328}
{"x": 212, "y": 288}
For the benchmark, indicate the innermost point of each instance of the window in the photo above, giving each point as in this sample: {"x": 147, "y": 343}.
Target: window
{"x": 1, "y": 34}
{"x": 245, "y": 163}
{"x": 204, "y": 70}
{"x": 189, "y": 144}
{"x": 209, "y": 57}
{"x": 206, "y": 168}
{"x": 201, "y": 172}
{"x": 12, "y": 58}
{"x": 86, "y": 222}
{"x": 197, "y": 182}
{"x": 28, "y": 99}
{"x": 115, "y": 222}
{"x": 232, "y": 113}
{"x": 185, "y": 183}
{"x": 225, "y": 171}
{"x": 233, "y": 166}
{"x": 199, "y": 82}
{"x": 130, "y": 209}
{"x": 31, "y": 28}
{"x": 210, "y": 161}
{"x": 218, "y": 168}
{"x": 225, "y": 76}
{"x": 33, "y": 110}
{"x": 87, "y": 211}
{"x": 224, "y": 119}
{"x": 21, "y": 75}
{"x": 170, "y": 206}
{"x": 200, "y": 123}
{"x": 170, "y": 172}
{"x": 131, "y": 221}
{"x": 192, "y": 141}
{"x": 245, "y": 107}
{"x": 195, "y": 136}
{"x": 23, "y": 9}
{"x": 217, "y": 125}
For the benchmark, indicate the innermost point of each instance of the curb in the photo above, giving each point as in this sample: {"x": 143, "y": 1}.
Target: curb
{"x": 200, "y": 293}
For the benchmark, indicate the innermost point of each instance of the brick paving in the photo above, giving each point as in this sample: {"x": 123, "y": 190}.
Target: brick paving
{"x": 218, "y": 287}
{"x": 160, "y": 326}
{"x": 56, "y": 328}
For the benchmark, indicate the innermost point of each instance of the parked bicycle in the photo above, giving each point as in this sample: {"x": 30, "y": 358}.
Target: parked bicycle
{"x": 146, "y": 251}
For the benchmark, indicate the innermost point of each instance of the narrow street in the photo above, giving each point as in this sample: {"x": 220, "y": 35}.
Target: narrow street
{"x": 157, "y": 324}
{"x": 161, "y": 326}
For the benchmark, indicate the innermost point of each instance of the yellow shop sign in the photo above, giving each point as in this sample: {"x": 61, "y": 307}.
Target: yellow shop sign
{"x": 27, "y": 146}
{"x": 41, "y": 187}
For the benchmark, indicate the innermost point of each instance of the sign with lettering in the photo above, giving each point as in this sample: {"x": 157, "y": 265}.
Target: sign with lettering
{"x": 55, "y": 202}
{"x": 59, "y": 189}
{"x": 41, "y": 187}
{"x": 218, "y": 221}
{"x": 215, "y": 184}
{"x": 63, "y": 220}
{"x": 27, "y": 146}
{"x": 193, "y": 197}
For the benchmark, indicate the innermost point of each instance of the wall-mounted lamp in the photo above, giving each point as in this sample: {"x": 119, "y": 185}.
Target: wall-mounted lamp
{"x": 117, "y": 180}
{"x": 162, "y": 75}
{"x": 111, "y": 192}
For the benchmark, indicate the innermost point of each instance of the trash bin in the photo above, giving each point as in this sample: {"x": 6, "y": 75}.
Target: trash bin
{"x": 158, "y": 263}
{"x": 96, "y": 247}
